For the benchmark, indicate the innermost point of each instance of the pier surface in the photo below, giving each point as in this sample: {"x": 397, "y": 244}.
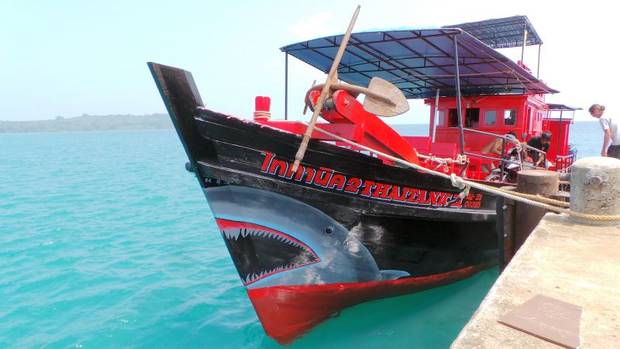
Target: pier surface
{"x": 573, "y": 263}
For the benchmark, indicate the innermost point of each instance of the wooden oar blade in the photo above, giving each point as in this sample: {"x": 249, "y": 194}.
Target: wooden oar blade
{"x": 398, "y": 103}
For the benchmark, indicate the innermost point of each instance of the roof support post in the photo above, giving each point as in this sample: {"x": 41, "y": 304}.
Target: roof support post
{"x": 436, "y": 117}
{"x": 538, "y": 65}
{"x": 524, "y": 42}
{"x": 457, "y": 78}
{"x": 286, "y": 86}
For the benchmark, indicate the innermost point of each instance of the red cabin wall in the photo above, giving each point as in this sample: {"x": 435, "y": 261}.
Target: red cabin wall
{"x": 529, "y": 111}
{"x": 560, "y": 129}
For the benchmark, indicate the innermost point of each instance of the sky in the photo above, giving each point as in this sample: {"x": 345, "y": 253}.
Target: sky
{"x": 67, "y": 58}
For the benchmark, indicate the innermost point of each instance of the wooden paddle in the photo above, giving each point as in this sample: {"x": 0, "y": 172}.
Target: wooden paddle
{"x": 332, "y": 77}
{"x": 382, "y": 97}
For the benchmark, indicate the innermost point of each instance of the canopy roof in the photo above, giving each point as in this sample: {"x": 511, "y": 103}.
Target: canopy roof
{"x": 555, "y": 106}
{"x": 502, "y": 32}
{"x": 421, "y": 61}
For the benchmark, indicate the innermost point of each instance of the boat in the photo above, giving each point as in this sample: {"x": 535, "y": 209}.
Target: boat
{"x": 350, "y": 224}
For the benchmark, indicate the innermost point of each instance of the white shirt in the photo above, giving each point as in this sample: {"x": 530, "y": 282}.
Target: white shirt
{"x": 611, "y": 124}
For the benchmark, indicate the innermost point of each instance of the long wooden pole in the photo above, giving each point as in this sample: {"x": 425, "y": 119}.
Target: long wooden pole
{"x": 331, "y": 77}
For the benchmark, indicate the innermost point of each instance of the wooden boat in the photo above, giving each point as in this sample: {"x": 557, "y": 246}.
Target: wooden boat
{"x": 350, "y": 225}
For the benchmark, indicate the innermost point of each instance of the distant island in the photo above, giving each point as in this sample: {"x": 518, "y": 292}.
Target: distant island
{"x": 89, "y": 123}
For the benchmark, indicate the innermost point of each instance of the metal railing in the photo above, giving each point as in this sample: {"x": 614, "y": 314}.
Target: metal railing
{"x": 503, "y": 161}
{"x": 564, "y": 162}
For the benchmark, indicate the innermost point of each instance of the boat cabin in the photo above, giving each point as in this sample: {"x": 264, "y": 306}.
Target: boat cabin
{"x": 524, "y": 116}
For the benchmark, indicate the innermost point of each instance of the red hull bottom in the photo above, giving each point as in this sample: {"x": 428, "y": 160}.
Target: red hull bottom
{"x": 287, "y": 312}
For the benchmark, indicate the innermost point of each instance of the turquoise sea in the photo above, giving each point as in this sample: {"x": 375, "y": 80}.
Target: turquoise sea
{"x": 107, "y": 242}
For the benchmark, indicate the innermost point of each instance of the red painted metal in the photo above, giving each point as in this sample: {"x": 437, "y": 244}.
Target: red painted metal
{"x": 375, "y": 132}
{"x": 262, "y": 103}
{"x": 261, "y": 108}
{"x": 287, "y": 312}
{"x": 348, "y": 131}
{"x": 560, "y": 130}
{"x": 347, "y": 118}
{"x": 524, "y": 127}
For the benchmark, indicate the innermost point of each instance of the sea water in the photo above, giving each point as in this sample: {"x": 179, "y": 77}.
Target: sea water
{"x": 107, "y": 242}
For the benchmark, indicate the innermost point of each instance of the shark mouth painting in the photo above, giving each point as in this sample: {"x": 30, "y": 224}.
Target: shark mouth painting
{"x": 259, "y": 252}
{"x": 301, "y": 267}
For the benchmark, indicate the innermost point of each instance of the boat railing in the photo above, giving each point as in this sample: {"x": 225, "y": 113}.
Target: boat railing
{"x": 509, "y": 139}
{"x": 494, "y": 158}
{"x": 564, "y": 162}
{"x": 504, "y": 161}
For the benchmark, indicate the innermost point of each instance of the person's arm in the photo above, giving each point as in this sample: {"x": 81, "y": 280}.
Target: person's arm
{"x": 525, "y": 154}
{"x": 498, "y": 148}
{"x": 606, "y": 140}
{"x": 539, "y": 159}
{"x": 606, "y": 134}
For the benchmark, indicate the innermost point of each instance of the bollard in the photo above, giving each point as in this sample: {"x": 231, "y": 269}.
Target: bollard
{"x": 541, "y": 182}
{"x": 595, "y": 188}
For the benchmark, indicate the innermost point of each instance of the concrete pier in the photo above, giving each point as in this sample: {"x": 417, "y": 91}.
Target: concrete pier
{"x": 562, "y": 260}
{"x": 565, "y": 260}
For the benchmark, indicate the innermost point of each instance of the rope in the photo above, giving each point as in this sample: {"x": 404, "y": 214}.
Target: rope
{"x": 461, "y": 183}
{"x": 441, "y": 160}
{"x": 458, "y": 182}
{"x": 539, "y": 198}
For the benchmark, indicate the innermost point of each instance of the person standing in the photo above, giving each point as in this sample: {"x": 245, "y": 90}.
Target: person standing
{"x": 611, "y": 137}
{"x": 541, "y": 143}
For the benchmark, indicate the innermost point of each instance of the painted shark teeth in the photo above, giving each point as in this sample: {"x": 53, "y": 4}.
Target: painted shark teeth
{"x": 296, "y": 253}
{"x": 244, "y": 232}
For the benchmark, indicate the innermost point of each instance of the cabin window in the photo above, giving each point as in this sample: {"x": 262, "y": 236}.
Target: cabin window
{"x": 441, "y": 118}
{"x": 490, "y": 117}
{"x": 453, "y": 120}
{"x": 472, "y": 117}
{"x": 510, "y": 117}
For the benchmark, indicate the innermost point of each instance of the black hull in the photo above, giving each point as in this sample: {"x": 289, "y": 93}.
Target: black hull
{"x": 414, "y": 226}
{"x": 420, "y": 239}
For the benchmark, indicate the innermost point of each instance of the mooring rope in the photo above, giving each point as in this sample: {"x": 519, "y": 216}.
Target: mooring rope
{"x": 540, "y": 198}
{"x": 465, "y": 185}
{"x": 439, "y": 160}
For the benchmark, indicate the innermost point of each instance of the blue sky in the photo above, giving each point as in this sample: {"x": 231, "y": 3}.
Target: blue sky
{"x": 73, "y": 57}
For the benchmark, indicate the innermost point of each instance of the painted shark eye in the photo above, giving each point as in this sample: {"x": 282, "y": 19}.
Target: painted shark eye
{"x": 329, "y": 229}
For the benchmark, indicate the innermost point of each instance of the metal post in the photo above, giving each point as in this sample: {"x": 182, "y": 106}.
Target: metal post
{"x": 457, "y": 77}
{"x": 436, "y": 115}
{"x": 286, "y": 86}
{"x": 500, "y": 212}
{"x": 501, "y": 162}
{"x": 524, "y": 41}
{"x": 538, "y": 65}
